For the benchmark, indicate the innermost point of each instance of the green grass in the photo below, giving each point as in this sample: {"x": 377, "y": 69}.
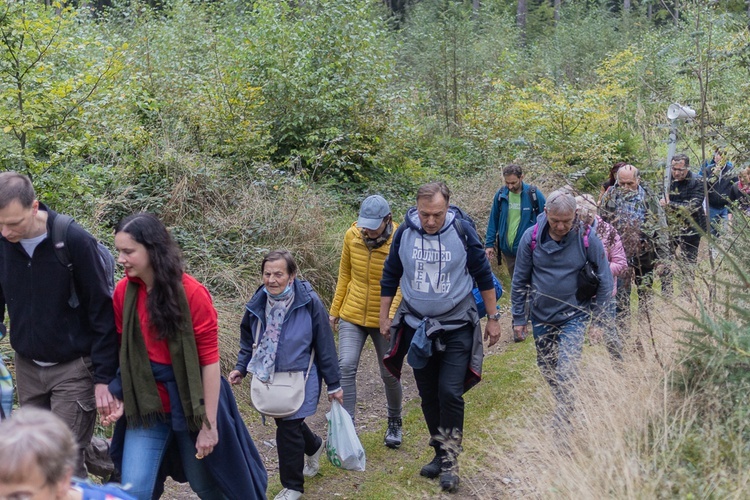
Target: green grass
{"x": 510, "y": 381}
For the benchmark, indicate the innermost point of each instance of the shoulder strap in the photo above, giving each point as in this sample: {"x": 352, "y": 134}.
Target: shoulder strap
{"x": 60, "y": 243}
{"x": 59, "y": 238}
{"x": 534, "y": 199}
{"x": 255, "y": 346}
{"x": 534, "y": 233}
{"x": 586, "y": 242}
{"x": 461, "y": 232}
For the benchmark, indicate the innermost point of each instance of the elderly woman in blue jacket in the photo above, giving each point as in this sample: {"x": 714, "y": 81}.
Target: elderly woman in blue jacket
{"x": 293, "y": 323}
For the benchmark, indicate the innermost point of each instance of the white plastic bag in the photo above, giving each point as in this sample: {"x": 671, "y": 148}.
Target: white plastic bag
{"x": 342, "y": 444}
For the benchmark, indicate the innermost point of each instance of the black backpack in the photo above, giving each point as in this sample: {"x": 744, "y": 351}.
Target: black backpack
{"x": 59, "y": 239}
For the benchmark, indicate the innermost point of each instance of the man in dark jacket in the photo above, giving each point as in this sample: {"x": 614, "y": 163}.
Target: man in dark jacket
{"x": 65, "y": 356}
{"x": 515, "y": 208}
{"x": 720, "y": 176}
{"x": 683, "y": 205}
{"x": 434, "y": 256}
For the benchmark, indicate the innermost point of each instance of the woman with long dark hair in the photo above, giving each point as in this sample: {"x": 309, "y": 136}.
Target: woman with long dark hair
{"x": 169, "y": 374}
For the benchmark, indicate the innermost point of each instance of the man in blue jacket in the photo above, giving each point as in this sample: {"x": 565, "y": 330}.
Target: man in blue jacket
{"x": 65, "y": 356}
{"x": 550, "y": 256}
{"x": 515, "y": 208}
{"x": 434, "y": 256}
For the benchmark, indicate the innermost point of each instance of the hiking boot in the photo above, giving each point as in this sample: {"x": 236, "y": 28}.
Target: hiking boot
{"x": 312, "y": 462}
{"x": 287, "y": 494}
{"x": 432, "y": 469}
{"x": 449, "y": 474}
{"x": 393, "y": 434}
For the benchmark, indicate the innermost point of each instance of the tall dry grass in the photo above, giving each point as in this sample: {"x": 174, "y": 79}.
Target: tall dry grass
{"x": 639, "y": 432}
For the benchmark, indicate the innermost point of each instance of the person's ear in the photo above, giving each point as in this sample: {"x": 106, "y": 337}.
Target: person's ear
{"x": 62, "y": 488}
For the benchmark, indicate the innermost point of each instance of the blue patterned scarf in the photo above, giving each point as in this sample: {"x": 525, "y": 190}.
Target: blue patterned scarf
{"x": 262, "y": 364}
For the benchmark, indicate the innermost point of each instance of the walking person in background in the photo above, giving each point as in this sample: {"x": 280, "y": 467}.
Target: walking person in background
{"x": 639, "y": 220}
{"x": 515, "y": 208}
{"x": 356, "y": 306}
{"x": 612, "y": 179}
{"x": 740, "y": 193}
{"x": 720, "y": 176}
{"x": 66, "y": 353}
{"x": 604, "y": 324}
{"x": 683, "y": 205}
{"x": 550, "y": 256}
{"x": 292, "y": 322}
{"x": 170, "y": 383}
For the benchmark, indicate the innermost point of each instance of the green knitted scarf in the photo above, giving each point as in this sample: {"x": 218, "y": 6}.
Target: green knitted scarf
{"x": 143, "y": 405}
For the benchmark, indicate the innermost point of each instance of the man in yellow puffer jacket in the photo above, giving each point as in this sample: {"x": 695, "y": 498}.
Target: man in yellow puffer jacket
{"x": 356, "y": 306}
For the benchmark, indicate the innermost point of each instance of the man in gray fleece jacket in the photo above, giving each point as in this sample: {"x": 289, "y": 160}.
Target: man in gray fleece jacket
{"x": 550, "y": 255}
{"x": 435, "y": 256}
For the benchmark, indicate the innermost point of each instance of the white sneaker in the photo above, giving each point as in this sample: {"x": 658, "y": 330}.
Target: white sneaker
{"x": 287, "y": 494}
{"x": 312, "y": 462}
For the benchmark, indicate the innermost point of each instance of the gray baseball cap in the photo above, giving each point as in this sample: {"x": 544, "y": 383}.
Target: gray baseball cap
{"x": 372, "y": 212}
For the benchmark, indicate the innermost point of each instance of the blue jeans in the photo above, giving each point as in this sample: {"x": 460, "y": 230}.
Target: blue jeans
{"x": 608, "y": 321}
{"x": 558, "y": 352}
{"x": 719, "y": 217}
{"x": 352, "y": 339}
{"x": 144, "y": 450}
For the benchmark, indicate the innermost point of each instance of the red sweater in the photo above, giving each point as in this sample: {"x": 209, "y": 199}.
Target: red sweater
{"x": 202, "y": 312}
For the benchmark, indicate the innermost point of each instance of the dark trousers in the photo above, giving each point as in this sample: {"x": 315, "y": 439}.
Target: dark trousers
{"x": 687, "y": 260}
{"x": 441, "y": 383}
{"x": 294, "y": 440}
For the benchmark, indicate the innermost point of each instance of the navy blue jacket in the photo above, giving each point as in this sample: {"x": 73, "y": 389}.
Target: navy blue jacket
{"x": 305, "y": 327}
{"x": 719, "y": 183}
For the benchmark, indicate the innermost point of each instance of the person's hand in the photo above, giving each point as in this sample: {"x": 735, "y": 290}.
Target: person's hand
{"x": 207, "y": 439}
{"x": 664, "y": 201}
{"x": 334, "y": 321}
{"x": 115, "y": 414}
{"x": 385, "y": 328}
{"x": 235, "y": 377}
{"x": 519, "y": 333}
{"x": 105, "y": 401}
{"x": 338, "y": 396}
{"x": 490, "y": 253}
{"x": 492, "y": 332}
{"x": 595, "y": 334}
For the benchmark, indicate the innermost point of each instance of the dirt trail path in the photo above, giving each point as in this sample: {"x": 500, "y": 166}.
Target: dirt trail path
{"x": 371, "y": 416}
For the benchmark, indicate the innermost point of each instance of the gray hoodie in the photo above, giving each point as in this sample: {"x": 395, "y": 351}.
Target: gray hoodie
{"x": 550, "y": 275}
{"x": 432, "y": 268}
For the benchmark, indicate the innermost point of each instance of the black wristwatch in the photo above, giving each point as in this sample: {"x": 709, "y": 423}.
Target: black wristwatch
{"x": 495, "y": 317}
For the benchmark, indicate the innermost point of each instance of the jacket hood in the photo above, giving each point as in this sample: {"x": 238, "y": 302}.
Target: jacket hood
{"x": 412, "y": 220}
